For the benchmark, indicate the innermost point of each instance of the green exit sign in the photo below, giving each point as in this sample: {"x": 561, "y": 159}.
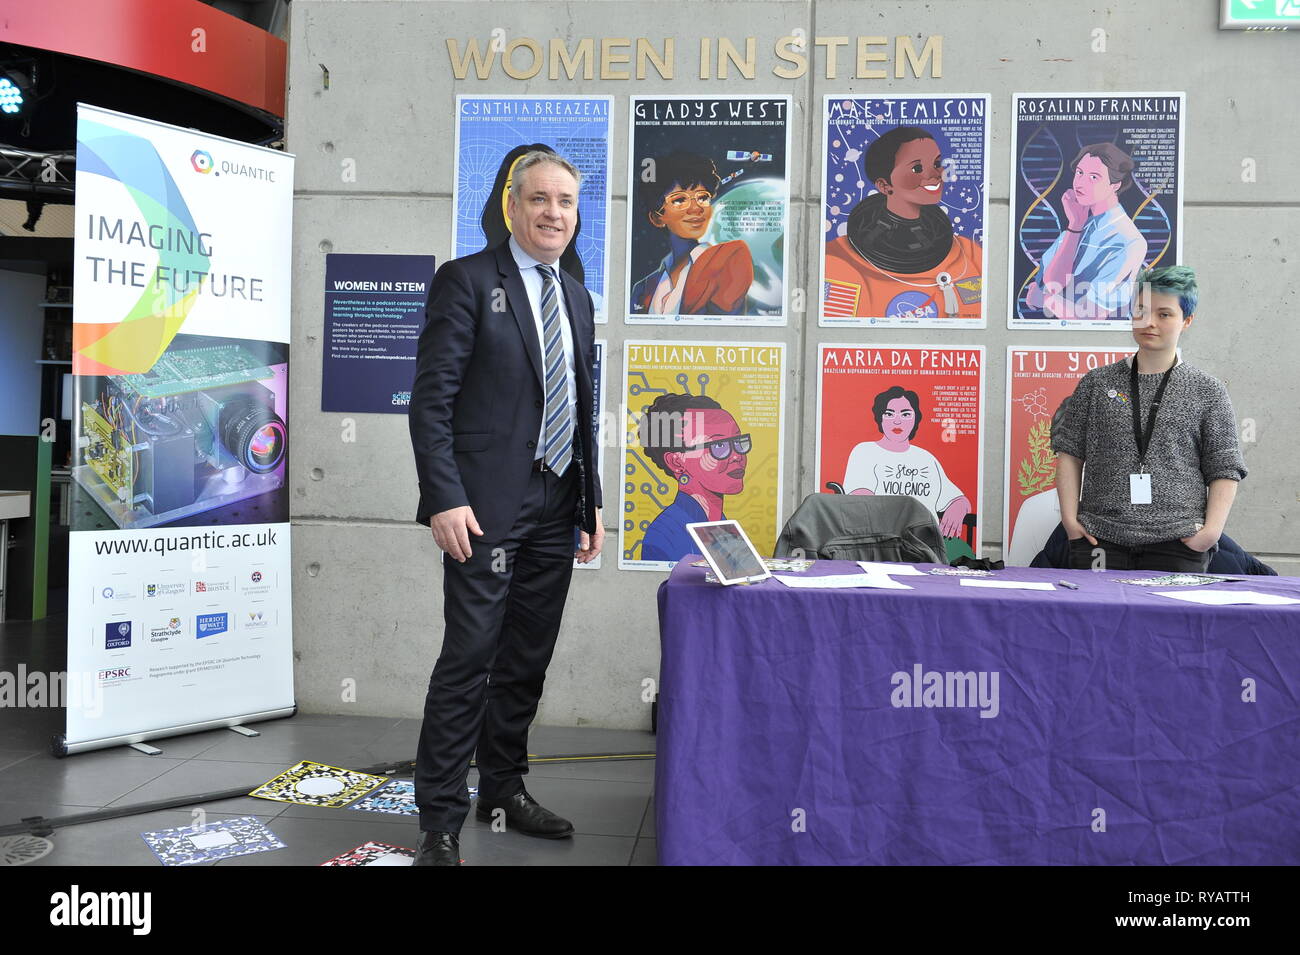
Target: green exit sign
{"x": 1256, "y": 14}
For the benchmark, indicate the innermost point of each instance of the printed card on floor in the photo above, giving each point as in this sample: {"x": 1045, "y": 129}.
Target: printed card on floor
{"x": 397, "y": 797}
{"x": 315, "y": 784}
{"x": 374, "y": 853}
{"x": 224, "y": 839}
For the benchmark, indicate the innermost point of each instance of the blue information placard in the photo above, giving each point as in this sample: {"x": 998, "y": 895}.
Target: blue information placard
{"x": 374, "y": 312}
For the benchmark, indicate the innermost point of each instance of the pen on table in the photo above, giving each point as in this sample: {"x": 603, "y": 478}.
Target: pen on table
{"x": 1066, "y": 583}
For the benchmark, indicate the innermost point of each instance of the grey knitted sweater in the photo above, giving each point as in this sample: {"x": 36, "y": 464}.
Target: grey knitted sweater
{"x": 1194, "y": 442}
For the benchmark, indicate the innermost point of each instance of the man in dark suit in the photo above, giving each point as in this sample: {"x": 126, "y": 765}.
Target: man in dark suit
{"x": 501, "y": 426}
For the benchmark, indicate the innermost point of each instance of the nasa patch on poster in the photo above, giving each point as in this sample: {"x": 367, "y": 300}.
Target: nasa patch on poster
{"x": 905, "y": 201}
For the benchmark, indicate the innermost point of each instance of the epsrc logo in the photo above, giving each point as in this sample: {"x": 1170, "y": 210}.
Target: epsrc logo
{"x": 201, "y": 161}
{"x": 116, "y": 673}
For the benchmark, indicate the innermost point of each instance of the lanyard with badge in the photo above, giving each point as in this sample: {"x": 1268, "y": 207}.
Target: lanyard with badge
{"x": 1139, "y": 484}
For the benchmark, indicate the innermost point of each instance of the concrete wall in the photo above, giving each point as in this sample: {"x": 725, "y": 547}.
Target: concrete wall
{"x": 372, "y": 609}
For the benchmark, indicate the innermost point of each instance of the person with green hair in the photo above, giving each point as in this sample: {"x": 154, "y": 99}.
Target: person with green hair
{"x": 1160, "y": 440}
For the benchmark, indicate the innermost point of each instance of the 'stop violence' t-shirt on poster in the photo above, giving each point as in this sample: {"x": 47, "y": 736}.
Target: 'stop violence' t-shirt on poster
{"x": 906, "y": 419}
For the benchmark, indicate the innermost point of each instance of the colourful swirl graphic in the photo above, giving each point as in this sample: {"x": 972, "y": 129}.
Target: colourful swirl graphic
{"x": 134, "y": 343}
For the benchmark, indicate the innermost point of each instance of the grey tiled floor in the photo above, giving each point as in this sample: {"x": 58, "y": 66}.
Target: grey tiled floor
{"x": 609, "y": 802}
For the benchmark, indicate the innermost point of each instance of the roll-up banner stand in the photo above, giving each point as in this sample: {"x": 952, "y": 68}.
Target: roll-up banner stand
{"x": 179, "y": 614}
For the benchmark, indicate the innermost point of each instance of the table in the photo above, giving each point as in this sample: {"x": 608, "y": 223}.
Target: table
{"x": 1123, "y": 731}
{"x": 13, "y": 505}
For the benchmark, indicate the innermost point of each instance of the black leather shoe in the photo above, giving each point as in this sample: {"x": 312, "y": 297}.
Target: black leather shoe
{"x": 523, "y": 814}
{"x": 438, "y": 848}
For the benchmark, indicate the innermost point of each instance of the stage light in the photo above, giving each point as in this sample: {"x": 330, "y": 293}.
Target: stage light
{"x": 11, "y": 96}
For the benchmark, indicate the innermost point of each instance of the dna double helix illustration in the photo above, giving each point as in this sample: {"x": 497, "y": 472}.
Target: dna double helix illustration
{"x": 1042, "y": 166}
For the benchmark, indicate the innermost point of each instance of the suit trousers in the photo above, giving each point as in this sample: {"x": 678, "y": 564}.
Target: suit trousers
{"x": 502, "y": 610}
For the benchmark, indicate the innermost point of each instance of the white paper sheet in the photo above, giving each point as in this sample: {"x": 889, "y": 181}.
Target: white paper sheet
{"x": 890, "y": 570}
{"x": 1221, "y": 598}
{"x": 844, "y": 581}
{"x": 1006, "y": 584}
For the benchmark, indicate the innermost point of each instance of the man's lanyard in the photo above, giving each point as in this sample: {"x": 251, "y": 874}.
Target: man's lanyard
{"x": 1143, "y": 438}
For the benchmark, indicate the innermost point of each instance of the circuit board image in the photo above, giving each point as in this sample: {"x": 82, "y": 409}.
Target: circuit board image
{"x": 195, "y": 369}
{"x": 196, "y": 432}
{"x": 113, "y": 463}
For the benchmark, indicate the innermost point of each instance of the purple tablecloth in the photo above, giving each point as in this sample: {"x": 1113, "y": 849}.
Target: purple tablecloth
{"x": 1122, "y": 734}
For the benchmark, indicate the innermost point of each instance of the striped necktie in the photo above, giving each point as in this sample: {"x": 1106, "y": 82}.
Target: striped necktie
{"x": 558, "y": 443}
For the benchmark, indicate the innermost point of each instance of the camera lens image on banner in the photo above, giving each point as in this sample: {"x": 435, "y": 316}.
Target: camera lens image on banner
{"x": 203, "y": 428}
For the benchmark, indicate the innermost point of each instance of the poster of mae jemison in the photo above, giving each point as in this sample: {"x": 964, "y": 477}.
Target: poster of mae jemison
{"x": 702, "y": 442}
{"x": 905, "y": 201}
{"x": 1096, "y": 196}
{"x": 493, "y": 133}
{"x": 906, "y": 419}
{"x": 1038, "y": 380}
{"x": 708, "y": 210}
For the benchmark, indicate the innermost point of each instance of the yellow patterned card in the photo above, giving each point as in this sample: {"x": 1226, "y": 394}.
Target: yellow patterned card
{"x": 316, "y": 784}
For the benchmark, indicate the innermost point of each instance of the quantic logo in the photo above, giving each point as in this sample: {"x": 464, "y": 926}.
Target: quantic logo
{"x": 117, "y": 635}
{"x": 75, "y": 907}
{"x": 201, "y": 161}
{"x": 932, "y": 688}
{"x": 210, "y": 624}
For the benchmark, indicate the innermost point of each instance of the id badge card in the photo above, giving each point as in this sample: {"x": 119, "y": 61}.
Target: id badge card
{"x": 1139, "y": 488}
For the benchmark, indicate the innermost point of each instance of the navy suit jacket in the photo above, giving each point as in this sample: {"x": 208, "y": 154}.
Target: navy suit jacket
{"x": 476, "y": 404}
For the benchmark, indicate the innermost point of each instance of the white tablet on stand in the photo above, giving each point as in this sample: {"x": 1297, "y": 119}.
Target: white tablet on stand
{"x": 728, "y": 552}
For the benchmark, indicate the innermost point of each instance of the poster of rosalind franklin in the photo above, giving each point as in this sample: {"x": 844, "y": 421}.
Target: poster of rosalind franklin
{"x": 708, "y": 210}
{"x": 1096, "y": 197}
{"x": 905, "y": 202}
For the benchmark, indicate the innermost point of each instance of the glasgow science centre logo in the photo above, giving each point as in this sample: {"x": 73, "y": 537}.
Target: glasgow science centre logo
{"x": 201, "y": 160}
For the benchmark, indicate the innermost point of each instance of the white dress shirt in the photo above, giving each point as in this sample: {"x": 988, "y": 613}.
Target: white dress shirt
{"x": 533, "y": 286}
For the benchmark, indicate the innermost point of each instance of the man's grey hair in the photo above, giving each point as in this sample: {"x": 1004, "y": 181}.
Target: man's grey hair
{"x": 535, "y": 158}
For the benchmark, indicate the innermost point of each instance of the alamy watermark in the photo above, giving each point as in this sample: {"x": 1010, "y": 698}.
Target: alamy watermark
{"x": 36, "y": 689}
{"x": 935, "y": 688}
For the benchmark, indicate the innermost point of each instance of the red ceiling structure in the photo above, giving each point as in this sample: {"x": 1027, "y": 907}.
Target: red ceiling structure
{"x": 180, "y": 40}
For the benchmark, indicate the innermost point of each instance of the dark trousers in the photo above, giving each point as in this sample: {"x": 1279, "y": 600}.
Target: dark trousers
{"x": 502, "y": 609}
{"x": 1172, "y": 556}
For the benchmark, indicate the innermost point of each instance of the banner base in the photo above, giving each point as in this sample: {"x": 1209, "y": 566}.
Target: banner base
{"x": 59, "y": 746}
